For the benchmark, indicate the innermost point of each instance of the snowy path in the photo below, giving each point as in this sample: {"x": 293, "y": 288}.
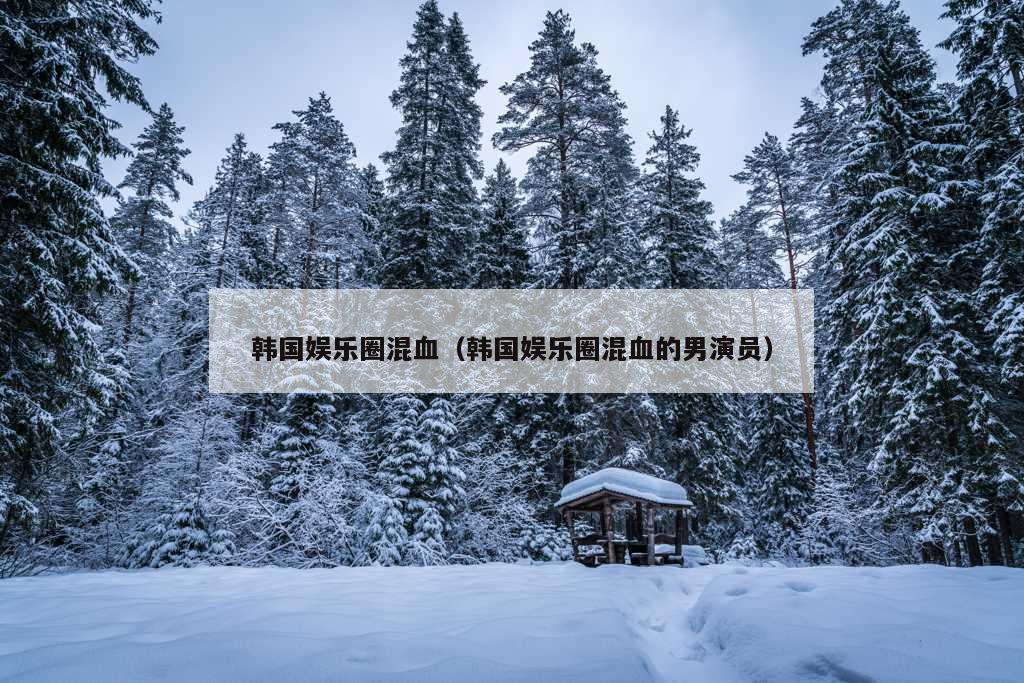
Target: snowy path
{"x": 557, "y": 621}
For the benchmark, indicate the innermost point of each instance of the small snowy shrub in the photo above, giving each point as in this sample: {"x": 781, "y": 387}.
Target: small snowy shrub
{"x": 743, "y": 548}
{"x": 545, "y": 543}
{"x": 184, "y": 539}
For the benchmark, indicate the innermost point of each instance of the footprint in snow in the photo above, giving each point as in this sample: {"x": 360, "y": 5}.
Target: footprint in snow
{"x": 800, "y": 586}
{"x": 736, "y": 591}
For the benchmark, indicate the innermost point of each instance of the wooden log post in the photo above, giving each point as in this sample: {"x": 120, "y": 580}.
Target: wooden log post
{"x": 679, "y": 535}
{"x": 609, "y": 525}
{"x": 651, "y": 559}
{"x": 572, "y": 535}
{"x": 638, "y": 528}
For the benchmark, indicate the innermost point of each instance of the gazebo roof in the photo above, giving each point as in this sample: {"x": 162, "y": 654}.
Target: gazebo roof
{"x": 625, "y": 484}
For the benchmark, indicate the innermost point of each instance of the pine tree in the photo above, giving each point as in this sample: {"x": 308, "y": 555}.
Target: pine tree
{"x": 185, "y": 539}
{"x": 989, "y": 41}
{"x": 565, "y": 107}
{"x": 777, "y": 482}
{"x": 298, "y": 444}
{"x": 316, "y": 201}
{"x": 58, "y": 251}
{"x": 847, "y": 37}
{"x": 230, "y": 211}
{"x": 376, "y": 217}
{"x": 941, "y": 445}
{"x": 420, "y": 472}
{"x": 679, "y": 218}
{"x": 746, "y": 253}
{"x": 581, "y": 176}
{"x": 435, "y": 161}
{"x": 502, "y": 259}
{"x": 141, "y": 221}
{"x": 104, "y": 461}
{"x": 773, "y": 178}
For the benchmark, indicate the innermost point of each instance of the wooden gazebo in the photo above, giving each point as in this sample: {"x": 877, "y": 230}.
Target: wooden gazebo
{"x": 601, "y": 492}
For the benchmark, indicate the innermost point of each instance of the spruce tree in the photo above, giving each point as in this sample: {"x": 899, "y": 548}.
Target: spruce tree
{"x": 679, "y": 219}
{"x": 435, "y": 160}
{"x": 142, "y": 220}
{"x": 315, "y": 203}
{"x": 58, "y": 252}
{"x": 502, "y": 259}
{"x": 940, "y": 445}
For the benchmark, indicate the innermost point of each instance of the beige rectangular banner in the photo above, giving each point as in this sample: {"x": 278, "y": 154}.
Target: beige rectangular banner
{"x": 511, "y": 341}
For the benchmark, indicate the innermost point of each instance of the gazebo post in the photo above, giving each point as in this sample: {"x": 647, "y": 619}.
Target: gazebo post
{"x": 679, "y": 535}
{"x": 572, "y": 534}
{"x": 609, "y": 531}
{"x": 650, "y": 534}
{"x": 638, "y": 527}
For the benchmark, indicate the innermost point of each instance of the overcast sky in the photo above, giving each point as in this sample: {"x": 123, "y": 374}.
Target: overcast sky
{"x": 732, "y": 67}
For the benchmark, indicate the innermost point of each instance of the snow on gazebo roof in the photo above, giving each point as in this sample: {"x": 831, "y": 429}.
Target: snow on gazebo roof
{"x": 627, "y": 483}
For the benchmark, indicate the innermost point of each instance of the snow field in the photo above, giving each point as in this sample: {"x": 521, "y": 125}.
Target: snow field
{"x": 499, "y": 622}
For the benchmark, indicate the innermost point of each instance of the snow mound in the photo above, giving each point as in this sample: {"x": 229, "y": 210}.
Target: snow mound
{"x": 913, "y": 623}
{"x": 626, "y": 482}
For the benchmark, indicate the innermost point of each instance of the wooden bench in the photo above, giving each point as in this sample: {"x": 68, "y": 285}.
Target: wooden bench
{"x": 638, "y": 551}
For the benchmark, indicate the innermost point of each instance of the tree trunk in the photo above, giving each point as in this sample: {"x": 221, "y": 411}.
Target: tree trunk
{"x": 610, "y": 531}
{"x": 802, "y": 352}
{"x": 227, "y": 231}
{"x": 993, "y": 547}
{"x": 651, "y": 559}
{"x": 971, "y": 541}
{"x": 129, "y": 312}
{"x": 1006, "y": 535}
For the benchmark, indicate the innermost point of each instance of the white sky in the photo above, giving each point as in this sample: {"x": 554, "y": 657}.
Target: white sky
{"x": 732, "y": 67}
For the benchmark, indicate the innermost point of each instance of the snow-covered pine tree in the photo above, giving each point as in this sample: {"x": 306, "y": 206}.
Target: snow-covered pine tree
{"x": 435, "y": 160}
{"x": 776, "y": 469}
{"x": 316, "y": 201}
{"x": 141, "y": 221}
{"x": 502, "y": 258}
{"x": 399, "y": 471}
{"x": 184, "y": 538}
{"x": 989, "y": 41}
{"x": 746, "y": 253}
{"x": 773, "y": 178}
{"x": 191, "y": 431}
{"x": 847, "y": 37}
{"x": 565, "y": 108}
{"x": 58, "y": 251}
{"x": 420, "y": 474}
{"x": 231, "y": 208}
{"x": 580, "y": 176}
{"x": 697, "y": 445}
{"x": 679, "y": 220}
{"x": 102, "y": 464}
{"x": 376, "y": 218}
{"x": 940, "y": 446}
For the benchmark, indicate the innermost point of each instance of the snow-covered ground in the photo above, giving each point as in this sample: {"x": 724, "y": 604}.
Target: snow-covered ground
{"x": 551, "y": 622}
